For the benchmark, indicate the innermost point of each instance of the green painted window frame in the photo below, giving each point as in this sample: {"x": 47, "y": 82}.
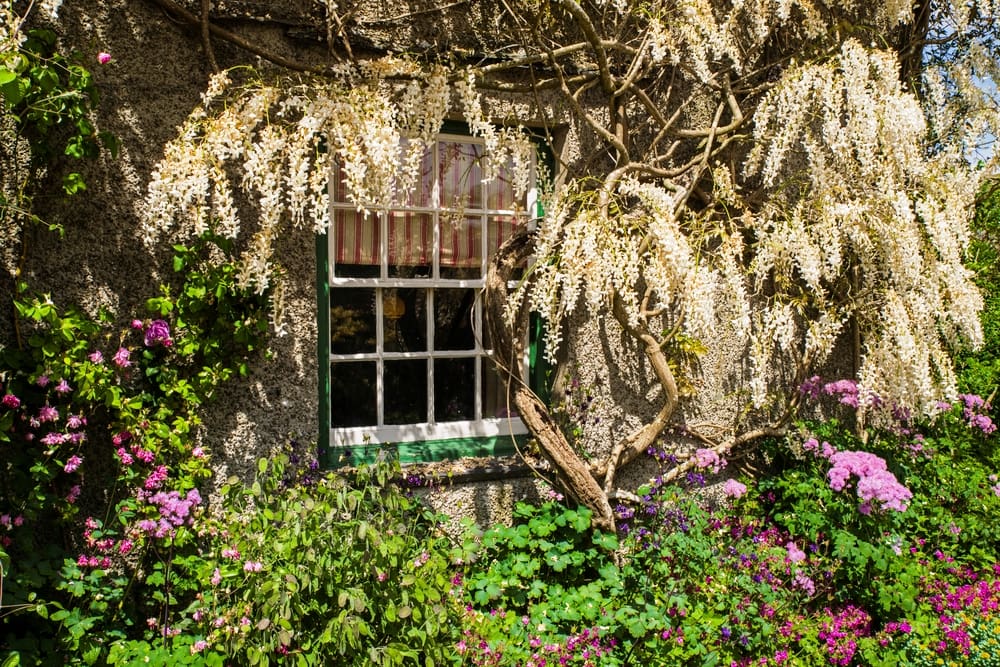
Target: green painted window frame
{"x": 423, "y": 451}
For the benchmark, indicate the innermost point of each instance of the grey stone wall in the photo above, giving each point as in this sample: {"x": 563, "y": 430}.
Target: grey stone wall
{"x": 157, "y": 72}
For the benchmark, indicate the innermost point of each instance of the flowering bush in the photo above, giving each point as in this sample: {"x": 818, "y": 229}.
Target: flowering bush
{"x": 98, "y": 427}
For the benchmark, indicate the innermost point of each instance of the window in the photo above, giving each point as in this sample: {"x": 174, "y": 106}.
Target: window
{"x": 408, "y": 357}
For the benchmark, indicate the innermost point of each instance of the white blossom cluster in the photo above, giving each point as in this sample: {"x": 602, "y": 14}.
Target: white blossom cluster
{"x": 840, "y": 148}
{"x": 277, "y": 144}
{"x": 858, "y": 218}
{"x": 702, "y": 33}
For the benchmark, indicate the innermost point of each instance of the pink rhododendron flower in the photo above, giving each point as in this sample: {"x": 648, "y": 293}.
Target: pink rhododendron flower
{"x": 708, "y": 458}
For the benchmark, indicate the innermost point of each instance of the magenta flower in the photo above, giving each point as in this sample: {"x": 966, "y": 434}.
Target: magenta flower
{"x": 47, "y": 413}
{"x": 42, "y": 381}
{"x": 216, "y": 577}
{"x": 74, "y": 494}
{"x": 96, "y": 357}
{"x": 103, "y": 57}
{"x": 11, "y": 401}
{"x": 158, "y": 333}
{"x": 136, "y": 324}
{"x": 63, "y": 387}
{"x": 72, "y": 464}
{"x": 121, "y": 358}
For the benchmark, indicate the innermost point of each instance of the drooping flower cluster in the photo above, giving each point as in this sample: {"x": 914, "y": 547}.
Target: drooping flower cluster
{"x": 286, "y": 139}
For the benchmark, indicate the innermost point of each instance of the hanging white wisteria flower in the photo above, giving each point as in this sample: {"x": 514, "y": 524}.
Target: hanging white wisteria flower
{"x": 278, "y": 143}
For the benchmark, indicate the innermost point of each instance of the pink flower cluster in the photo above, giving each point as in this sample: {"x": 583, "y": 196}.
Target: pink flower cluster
{"x": 840, "y": 633}
{"x": 708, "y": 458}
{"x": 875, "y": 482}
{"x": 174, "y": 511}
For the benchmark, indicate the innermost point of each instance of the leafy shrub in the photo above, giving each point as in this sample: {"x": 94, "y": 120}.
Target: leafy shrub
{"x": 345, "y": 571}
{"x": 101, "y": 465}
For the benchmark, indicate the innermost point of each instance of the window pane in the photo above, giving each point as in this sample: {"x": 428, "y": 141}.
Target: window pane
{"x": 453, "y": 323}
{"x": 404, "y": 320}
{"x": 352, "y": 320}
{"x": 352, "y": 394}
{"x": 461, "y": 246}
{"x": 419, "y": 159}
{"x": 411, "y": 244}
{"x": 405, "y": 391}
{"x": 460, "y": 174}
{"x": 495, "y": 400}
{"x": 500, "y": 191}
{"x": 355, "y": 238}
{"x": 454, "y": 389}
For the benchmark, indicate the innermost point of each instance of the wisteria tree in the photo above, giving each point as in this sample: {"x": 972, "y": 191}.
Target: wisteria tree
{"x": 792, "y": 173}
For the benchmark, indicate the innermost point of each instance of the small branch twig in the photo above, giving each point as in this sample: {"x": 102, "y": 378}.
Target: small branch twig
{"x": 206, "y": 35}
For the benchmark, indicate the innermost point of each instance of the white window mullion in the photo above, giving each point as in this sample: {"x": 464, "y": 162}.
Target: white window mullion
{"x": 380, "y": 360}
{"x": 430, "y": 319}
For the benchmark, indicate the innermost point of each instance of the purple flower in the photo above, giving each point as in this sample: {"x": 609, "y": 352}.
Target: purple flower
{"x": 158, "y": 333}
{"x": 253, "y": 566}
{"x": 121, "y": 358}
{"x": 42, "y": 381}
{"x": 136, "y": 324}
{"x": 11, "y": 401}
{"x": 63, "y": 387}
{"x": 96, "y": 357}
{"x": 74, "y": 494}
{"x": 74, "y": 421}
{"x": 156, "y": 478}
{"x": 103, "y": 57}
{"x": 72, "y": 464}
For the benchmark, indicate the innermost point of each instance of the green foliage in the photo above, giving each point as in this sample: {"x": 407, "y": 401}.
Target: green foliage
{"x": 105, "y": 419}
{"x": 49, "y": 99}
{"x": 980, "y": 370}
{"x": 345, "y": 571}
{"x": 222, "y": 321}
